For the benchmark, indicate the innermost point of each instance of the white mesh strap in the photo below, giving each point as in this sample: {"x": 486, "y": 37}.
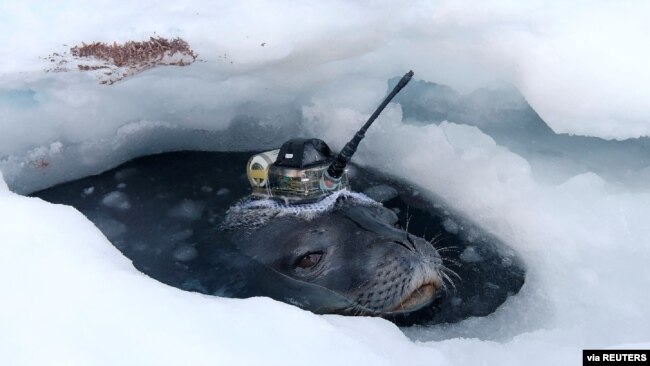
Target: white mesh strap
{"x": 256, "y": 212}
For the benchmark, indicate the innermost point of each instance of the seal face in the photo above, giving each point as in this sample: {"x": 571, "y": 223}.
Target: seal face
{"x": 351, "y": 246}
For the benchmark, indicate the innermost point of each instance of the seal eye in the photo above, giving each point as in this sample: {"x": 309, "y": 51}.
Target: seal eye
{"x": 309, "y": 260}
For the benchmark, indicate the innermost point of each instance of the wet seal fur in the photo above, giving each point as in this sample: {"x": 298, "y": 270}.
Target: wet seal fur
{"x": 348, "y": 248}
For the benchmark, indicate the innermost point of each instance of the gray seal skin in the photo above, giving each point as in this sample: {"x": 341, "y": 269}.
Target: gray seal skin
{"x": 354, "y": 258}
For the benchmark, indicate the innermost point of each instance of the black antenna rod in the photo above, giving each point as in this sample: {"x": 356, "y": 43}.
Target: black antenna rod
{"x": 335, "y": 171}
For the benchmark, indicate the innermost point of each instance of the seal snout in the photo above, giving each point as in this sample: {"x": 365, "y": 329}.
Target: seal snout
{"x": 424, "y": 271}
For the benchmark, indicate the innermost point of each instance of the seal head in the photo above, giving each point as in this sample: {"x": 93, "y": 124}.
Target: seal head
{"x": 346, "y": 244}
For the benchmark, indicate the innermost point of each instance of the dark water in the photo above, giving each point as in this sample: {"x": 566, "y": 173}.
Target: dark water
{"x": 162, "y": 211}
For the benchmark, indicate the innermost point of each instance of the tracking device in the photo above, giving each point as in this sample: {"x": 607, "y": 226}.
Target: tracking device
{"x": 306, "y": 170}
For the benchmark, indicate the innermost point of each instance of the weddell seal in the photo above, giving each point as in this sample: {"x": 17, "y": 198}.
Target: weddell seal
{"x": 303, "y": 223}
{"x": 347, "y": 247}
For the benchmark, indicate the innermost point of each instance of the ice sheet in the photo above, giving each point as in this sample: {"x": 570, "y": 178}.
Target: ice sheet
{"x": 271, "y": 70}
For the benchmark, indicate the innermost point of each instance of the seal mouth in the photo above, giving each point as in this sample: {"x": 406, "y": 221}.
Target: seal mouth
{"x": 420, "y": 297}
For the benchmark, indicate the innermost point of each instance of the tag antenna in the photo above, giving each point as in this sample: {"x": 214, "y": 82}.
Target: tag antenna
{"x": 336, "y": 169}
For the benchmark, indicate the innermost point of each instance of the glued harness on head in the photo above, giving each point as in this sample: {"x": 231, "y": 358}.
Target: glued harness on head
{"x": 253, "y": 212}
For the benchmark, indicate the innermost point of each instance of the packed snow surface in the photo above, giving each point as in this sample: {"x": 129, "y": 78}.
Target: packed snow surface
{"x": 271, "y": 70}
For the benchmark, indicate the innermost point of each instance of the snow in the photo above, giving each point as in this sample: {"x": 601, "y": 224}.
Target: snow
{"x": 69, "y": 297}
{"x": 381, "y": 193}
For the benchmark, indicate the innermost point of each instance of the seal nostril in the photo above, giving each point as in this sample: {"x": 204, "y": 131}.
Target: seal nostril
{"x": 403, "y": 244}
{"x": 408, "y": 237}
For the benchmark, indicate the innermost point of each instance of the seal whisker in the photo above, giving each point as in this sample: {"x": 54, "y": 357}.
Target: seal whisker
{"x": 363, "y": 284}
{"x": 452, "y": 261}
{"x": 418, "y": 291}
{"x": 450, "y": 271}
{"x": 354, "y": 309}
{"x": 447, "y": 249}
{"x": 408, "y": 220}
{"x": 357, "y": 310}
{"x": 434, "y": 239}
{"x": 443, "y": 285}
{"x": 440, "y": 236}
{"x": 360, "y": 309}
{"x": 446, "y": 277}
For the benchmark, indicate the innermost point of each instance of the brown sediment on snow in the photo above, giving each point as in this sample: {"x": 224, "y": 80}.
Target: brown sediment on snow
{"x": 113, "y": 62}
{"x": 89, "y": 68}
{"x": 146, "y": 53}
